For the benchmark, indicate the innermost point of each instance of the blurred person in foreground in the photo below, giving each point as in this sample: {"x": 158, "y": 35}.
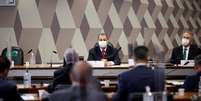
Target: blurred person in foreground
{"x": 8, "y": 89}
{"x": 140, "y": 76}
{"x": 81, "y": 89}
{"x": 186, "y": 51}
{"x": 62, "y": 76}
{"x": 192, "y": 82}
{"x": 104, "y": 50}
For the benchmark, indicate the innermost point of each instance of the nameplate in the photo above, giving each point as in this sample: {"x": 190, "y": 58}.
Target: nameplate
{"x": 97, "y": 63}
{"x": 187, "y": 63}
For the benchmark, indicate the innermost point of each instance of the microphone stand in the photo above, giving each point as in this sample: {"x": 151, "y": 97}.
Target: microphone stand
{"x": 55, "y": 52}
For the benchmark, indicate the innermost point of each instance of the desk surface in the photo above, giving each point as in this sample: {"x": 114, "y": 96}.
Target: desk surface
{"x": 31, "y": 94}
{"x": 187, "y": 96}
{"x": 122, "y": 66}
{"x": 43, "y": 71}
{"x": 30, "y": 97}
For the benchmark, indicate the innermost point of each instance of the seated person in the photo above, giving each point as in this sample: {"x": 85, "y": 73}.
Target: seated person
{"x": 192, "y": 81}
{"x": 82, "y": 88}
{"x": 140, "y": 76}
{"x": 61, "y": 76}
{"x": 103, "y": 50}
{"x": 186, "y": 51}
{"x": 8, "y": 89}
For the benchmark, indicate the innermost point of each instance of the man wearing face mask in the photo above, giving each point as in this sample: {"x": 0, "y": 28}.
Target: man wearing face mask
{"x": 104, "y": 50}
{"x": 186, "y": 51}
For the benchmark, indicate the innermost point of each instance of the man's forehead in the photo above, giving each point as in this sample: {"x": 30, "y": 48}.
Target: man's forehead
{"x": 103, "y": 35}
{"x": 187, "y": 34}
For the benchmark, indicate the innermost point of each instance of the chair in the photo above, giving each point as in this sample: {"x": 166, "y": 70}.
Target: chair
{"x": 17, "y": 55}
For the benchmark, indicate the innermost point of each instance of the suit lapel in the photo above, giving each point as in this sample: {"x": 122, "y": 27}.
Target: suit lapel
{"x": 190, "y": 52}
{"x": 98, "y": 53}
{"x": 109, "y": 51}
{"x": 181, "y": 53}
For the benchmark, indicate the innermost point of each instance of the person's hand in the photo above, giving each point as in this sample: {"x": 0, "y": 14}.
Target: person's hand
{"x": 109, "y": 63}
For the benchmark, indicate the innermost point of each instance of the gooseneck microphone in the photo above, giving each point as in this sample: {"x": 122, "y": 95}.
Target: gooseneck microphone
{"x": 55, "y": 52}
{"x": 29, "y": 51}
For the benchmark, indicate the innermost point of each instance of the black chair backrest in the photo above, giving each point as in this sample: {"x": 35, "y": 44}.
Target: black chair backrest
{"x": 17, "y": 55}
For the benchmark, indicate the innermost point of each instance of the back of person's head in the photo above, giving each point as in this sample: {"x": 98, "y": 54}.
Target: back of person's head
{"x": 81, "y": 73}
{"x": 70, "y": 56}
{"x": 141, "y": 53}
{"x": 4, "y": 65}
{"x": 197, "y": 66}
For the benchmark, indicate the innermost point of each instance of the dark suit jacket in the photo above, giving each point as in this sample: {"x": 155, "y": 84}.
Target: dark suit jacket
{"x": 61, "y": 76}
{"x": 177, "y": 54}
{"x": 191, "y": 82}
{"x": 8, "y": 91}
{"x": 135, "y": 81}
{"x": 76, "y": 93}
{"x": 111, "y": 54}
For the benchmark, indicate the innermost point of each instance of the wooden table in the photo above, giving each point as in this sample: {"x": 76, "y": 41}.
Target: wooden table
{"x": 187, "y": 96}
{"x": 33, "y": 89}
{"x": 110, "y": 90}
{"x": 46, "y": 71}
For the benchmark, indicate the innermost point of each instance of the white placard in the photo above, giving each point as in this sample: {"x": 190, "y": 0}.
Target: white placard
{"x": 131, "y": 62}
{"x": 27, "y": 63}
{"x": 97, "y": 63}
{"x": 187, "y": 63}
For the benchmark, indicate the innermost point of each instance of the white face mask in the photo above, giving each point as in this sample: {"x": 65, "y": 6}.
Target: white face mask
{"x": 102, "y": 44}
{"x": 185, "y": 42}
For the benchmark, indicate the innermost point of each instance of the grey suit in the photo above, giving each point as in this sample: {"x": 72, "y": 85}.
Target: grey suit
{"x": 76, "y": 93}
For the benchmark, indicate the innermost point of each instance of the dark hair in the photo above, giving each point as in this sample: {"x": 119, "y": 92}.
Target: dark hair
{"x": 197, "y": 60}
{"x": 102, "y": 34}
{"x": 141, "y": 53}
{"x": 4, "y": 64}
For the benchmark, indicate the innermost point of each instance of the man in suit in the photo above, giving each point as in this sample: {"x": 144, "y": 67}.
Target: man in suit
{"x": 192, "y": 81}
{"x": 140, "y": 76}
{"x": 186, "y": 51}
{"x": 81, "y": 89}
{"x": 62, "y": 76}
{"x": 104, "y": 50}
{"x": 8, "y": 89}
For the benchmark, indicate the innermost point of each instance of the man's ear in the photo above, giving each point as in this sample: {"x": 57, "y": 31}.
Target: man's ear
{"x": 197, "y": 68}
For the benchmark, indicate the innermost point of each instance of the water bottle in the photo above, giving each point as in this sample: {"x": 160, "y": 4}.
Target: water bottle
{"x": 9, "y": 52}
{"x": 164, "y": 96}
{"x": 199, "y": 88}
{"x": 32, "y": 58}
{"x": 27, "y": 79}
{"x": 148, "y": 96}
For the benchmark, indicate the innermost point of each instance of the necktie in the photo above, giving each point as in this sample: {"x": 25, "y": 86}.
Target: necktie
{"x": 103, "y": 53}
{"x": 184, "y": 54}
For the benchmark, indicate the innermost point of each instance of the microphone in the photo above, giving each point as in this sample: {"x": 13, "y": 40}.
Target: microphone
{"x": 186, "y": 63}
{"x": 29, "y": 51}
{"x": 176, "y": 66}
{"x": 55, "y": 52}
